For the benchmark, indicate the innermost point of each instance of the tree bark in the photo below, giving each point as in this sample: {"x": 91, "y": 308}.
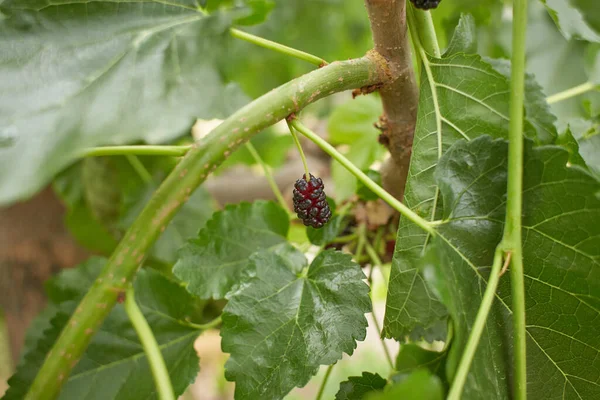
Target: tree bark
{"x": 399, "y": 96}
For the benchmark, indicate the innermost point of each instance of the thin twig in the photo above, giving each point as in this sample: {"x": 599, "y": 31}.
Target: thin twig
{"x": 151, "y": 348}
{"x": 278, "y": 47}
{"x": 324, "y": 382}
{"x": 268, "y": 175}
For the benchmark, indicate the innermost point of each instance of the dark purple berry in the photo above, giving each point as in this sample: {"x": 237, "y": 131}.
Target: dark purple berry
{"x": 425, "y": 4}
{"x": 310, "y": 202}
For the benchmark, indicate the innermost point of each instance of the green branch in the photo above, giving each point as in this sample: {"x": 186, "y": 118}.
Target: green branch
{"x": 202, "y": 159}
{"x": 268, "y": 44}
{"x": 572, "y": 92}
{"x": 155, "y": 359}
{"x": 361, "y": 176}
{"x": 143, "y": 150}
{"x": 482, "y": 314}
{"x": 512, "y": 229}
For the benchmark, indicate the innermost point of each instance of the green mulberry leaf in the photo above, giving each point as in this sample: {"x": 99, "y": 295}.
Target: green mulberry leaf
{"x": 420, "y": 384}
{"x": 412, "y": 356}
{"x": 285, "y": 319}
{"x": 357, "y": 387}
{"x": 114, "y": 365}
{"x": 576, "y": 18}
{"x": 212, "y": 263}
{"x": 561, "y": 257}
{"x": 462, "y": 97}
{"x": 79, "y": 74}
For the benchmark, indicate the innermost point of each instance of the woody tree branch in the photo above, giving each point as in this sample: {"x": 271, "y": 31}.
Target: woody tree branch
{"x": 399, "y": 95}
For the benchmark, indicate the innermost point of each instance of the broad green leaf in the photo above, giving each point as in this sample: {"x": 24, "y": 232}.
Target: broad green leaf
{"x": 79, "y": 74}
{"x": 462, "y": 97}
{"x": 357, "y": 387}
{"x": 212, "y": 263}
{"x": 464, "y": 39}
{"x": 418, "y": 385}
{"x": 449, "y": 13}
{"x": 412, "y": 356}
{"x": 285, "y": 319}
{"x": 114, "y": 365}
{"x": 561, "y": 256}
{"x": 536, "y": 106}
{"x": 576, "y": 18}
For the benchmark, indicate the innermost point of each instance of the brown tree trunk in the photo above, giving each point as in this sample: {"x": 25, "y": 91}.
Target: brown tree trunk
{"x": 33, "y": 245}
{"x": 399, "y": 96}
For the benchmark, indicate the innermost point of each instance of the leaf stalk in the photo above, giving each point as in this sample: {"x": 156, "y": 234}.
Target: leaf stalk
{"x": 361, "y": 176}
{"x": 151, "y": 348}
{"x": 278, "y": 47}
{"x": 268, "y": 175}
{"x": 324, "y": 382}
{"x": 141, "y": 150}
{"x": 482, "y": 314}
{"x": 572, "y": 92}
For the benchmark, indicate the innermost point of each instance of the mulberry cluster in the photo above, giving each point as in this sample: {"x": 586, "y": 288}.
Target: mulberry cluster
{"x": 426, "y": 4}
{"x": 310, "y": 202}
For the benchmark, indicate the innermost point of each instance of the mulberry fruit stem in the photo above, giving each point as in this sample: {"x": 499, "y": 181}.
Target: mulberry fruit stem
{"x": 361, "y": 176}
{"x": 299, "y": 146}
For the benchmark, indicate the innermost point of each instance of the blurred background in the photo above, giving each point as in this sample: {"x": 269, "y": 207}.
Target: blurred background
{"x": 88, "y": 204}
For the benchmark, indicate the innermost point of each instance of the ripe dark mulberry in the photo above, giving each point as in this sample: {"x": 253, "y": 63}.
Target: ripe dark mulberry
{"x": 310, "y": 202}
{"x": 425, "y": 4}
